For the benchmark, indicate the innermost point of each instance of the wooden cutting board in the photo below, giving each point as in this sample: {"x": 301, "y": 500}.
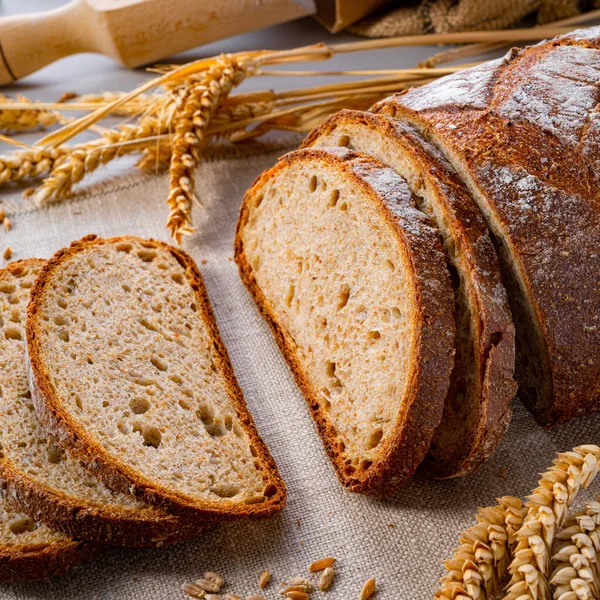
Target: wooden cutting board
{"x": 132, "y": 32}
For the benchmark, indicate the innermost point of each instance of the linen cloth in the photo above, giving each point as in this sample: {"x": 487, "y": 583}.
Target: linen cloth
{"x": 399, "y": 541}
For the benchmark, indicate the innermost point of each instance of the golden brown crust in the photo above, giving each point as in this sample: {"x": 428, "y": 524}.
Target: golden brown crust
{"x": 30, "y": 562}
{"x": 520, "y": 129}
{"x": 432, "y": 365}
{"x": 106, "y": 524}
{"x": 115, "y": 474}
{"x": 489, "y": 365}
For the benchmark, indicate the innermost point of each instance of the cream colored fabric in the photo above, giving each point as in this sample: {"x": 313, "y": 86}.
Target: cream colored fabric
{"x": 400, "y": 541}
{"x": 443, "y": 16}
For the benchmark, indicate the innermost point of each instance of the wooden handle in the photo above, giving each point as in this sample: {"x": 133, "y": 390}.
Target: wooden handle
{"x": 30, "y": 42}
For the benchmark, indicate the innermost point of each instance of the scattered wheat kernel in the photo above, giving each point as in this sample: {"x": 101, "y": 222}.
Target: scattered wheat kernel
{"x": 208, "y": 585}
{"x": 191, "y": 589}
{"x": 212, "y": 597}
{"x": 7, "y": 253}
{"x": 294, "y": 595}
{"x": 326, "y": 579}
{"x": 321, "y": 564}
{"x": 263, "y": 580}
{"x": 231, "y": 597}
{"x": 368, "y": 589}
{"x": 298, "y": 584}
{"x": 2, "y": 215}
{"x": 255, "y": 597}
{"x": 214, "y": 577}
{"x": 7, "y": 224}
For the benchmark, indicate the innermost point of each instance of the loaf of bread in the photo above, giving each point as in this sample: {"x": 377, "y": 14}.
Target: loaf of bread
{"x": 522, "y": 132}
{"x": 476, "y": 412}
{"x": 37, "y": 476}
{"x": 353, "y": 280}
{"x": 128, "y": 373}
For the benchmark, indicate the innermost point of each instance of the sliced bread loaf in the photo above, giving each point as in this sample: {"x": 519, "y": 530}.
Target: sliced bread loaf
{"x": 41, "y": 479}
{"x": 353, "y": 281}
{"x": 476, "y": 412}
{"x": 128, "y": 371}
{"x": 30, "y": 550}
{"x": 520, "y": 132}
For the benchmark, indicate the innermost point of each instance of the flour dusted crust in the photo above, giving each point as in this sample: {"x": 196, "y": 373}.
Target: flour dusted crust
{"x": 430, "y": 371}
{"x": 85, "y": 445}
{"x": 476, "y": 414}
{"x": 521, "y": 132}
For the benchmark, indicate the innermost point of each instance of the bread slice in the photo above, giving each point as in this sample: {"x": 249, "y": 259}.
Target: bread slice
{"x": 42, "y": 480}
{"x": 30, "y": 550}
{"x": 476, "y": 412}
{"x": 353, "y": 280}
{"x": 519, "y": 132}
{"x": 128, "y": 371}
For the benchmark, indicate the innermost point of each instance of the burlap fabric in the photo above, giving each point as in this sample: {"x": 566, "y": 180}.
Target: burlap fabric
{"x": 444, "y": 16}
{"x": 400, "y": 541}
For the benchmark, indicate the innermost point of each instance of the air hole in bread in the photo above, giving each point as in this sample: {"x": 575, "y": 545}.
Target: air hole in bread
{"x": 205, "y": 413}
{"x": 78, "y": 403}
{"x": 126, "y": 288}
{"x": 225, "y": 490}
{"x": 374, "y": 335}
{"x": 178, "y": 278}
{"x": 22, "y": 525}
{"x": 344, "y": 206}
{"x": 63, "y": 334}
{"x": 365, "y": 464}
{"x": 185, "y": 405}
{"x": 160, "y": 363}
{"x": 139, "y": 405}
{"x": 228, "y": 422}
{"x": 396, "y": 313}
{"x": 152, "y": 436}
{"x": 495, "y": 338}
{"x": 344, "y": 295}
{"x": 258, "y": 200}
{"x": 62, "y": 303}
{"x": 146, "y": 254}
{"x": 312, "y": 184}
{"x": 344, "y": 141}
{"x": 105, "y": 403}
{"x": 12, "y": 332}
{"x": 6, "y": 287}
{"x": 89, "y": 359}
{"x": 55, "y": 454}
{"x": 124, "y": 247}
{"x": 290, "y": 295}
{"x": 390, "y": 265}
{"x": 375, "y": 439}
{"x": 145, "y": 322}
{"x": 330, "y": 369}
{"x": 214, "y": 429}
{"x": 176, "y": 379}
{"x": 60, "y": 320}
{"x": 25, "y": 284}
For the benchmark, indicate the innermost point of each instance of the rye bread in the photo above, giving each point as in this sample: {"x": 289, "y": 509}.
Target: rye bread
{"x": 128, "y": 371}
{"x": 476, "y": 413}
{"x": 520, "y": 132}
{"x": 352, "y": 280}
{"x": 37, "y": 476}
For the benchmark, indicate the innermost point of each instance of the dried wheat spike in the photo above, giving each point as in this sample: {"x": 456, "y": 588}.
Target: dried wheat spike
{"x": 547, "y": 512}
{"x": 476, "y": 570}
{"x": 198, "y": 103}
{"x": 24, "y": 119}
{"x": 576, "y": 557}
{"x": 29, "y": 164}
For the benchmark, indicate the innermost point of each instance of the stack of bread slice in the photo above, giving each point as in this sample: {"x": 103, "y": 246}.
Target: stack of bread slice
{"x": 500, "y": 165}
{"x": 132, "y": 429}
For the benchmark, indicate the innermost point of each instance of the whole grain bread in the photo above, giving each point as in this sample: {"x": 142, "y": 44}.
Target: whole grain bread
{"x": 37, "y": 476}
{"x": 476, "y": 412}
{"x": 353, "y": 281}
{"x": 128, "y": 372}
{"x": 30, "y": 550}
{"x": 522, "y": 133}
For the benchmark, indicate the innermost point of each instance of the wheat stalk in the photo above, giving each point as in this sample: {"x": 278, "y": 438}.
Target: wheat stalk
{"x": 478, "y": 566}
{"x": 576, "y": 557}
{"x": 199, "y": 105}
{"x": 547, "y": 512}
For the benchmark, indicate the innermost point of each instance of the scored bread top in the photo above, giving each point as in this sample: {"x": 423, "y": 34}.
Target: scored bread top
{"x": 40, "y": 478}
{"x": 521, "y": 131}
{"x": 30, "y": 550}
{"x": 476, "y": 412}
{"x": 133, "y": 379}
{"x": 353, "y": 281}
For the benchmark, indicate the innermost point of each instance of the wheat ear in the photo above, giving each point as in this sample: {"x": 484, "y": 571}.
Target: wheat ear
{"x": 547, "y": 512}
{"x": 30, "y": 164}
{"x": 25, "y": 119}
{"x": 576, "y": 557}
{"x": 476, "y": 570}
{"x": 198, "y": 106}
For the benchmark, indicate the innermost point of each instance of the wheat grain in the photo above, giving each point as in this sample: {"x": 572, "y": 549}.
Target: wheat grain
{"x": 547, "y": 510}
{"x": 368, "y": 589}
{"x": 29, "y": 164}
{"x": 264, "y": 579}
{"x": 321, "y": 564}
{"x": 191, "y": 589}
{"x": 7, "y": 254}
{"x": 326, "y": 579}
{"x": 199, "y": 103}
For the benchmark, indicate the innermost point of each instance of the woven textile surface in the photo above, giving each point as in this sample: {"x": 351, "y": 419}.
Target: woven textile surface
{"x": 400, "y": 541}
{"x": 444, "y": 16}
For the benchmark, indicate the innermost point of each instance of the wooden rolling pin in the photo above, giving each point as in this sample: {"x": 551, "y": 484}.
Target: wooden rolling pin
{"x": 132, "y": 32}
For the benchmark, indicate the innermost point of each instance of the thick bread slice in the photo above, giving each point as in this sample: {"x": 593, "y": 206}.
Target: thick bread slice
{"x": 476, "y": 412}
{"x": 518, "y": 131}
{"x": 353, "y": 281}
{"x": 129, "y": 373}
{"x": 37, "y": 476}
{"x": 30, "y": 550}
